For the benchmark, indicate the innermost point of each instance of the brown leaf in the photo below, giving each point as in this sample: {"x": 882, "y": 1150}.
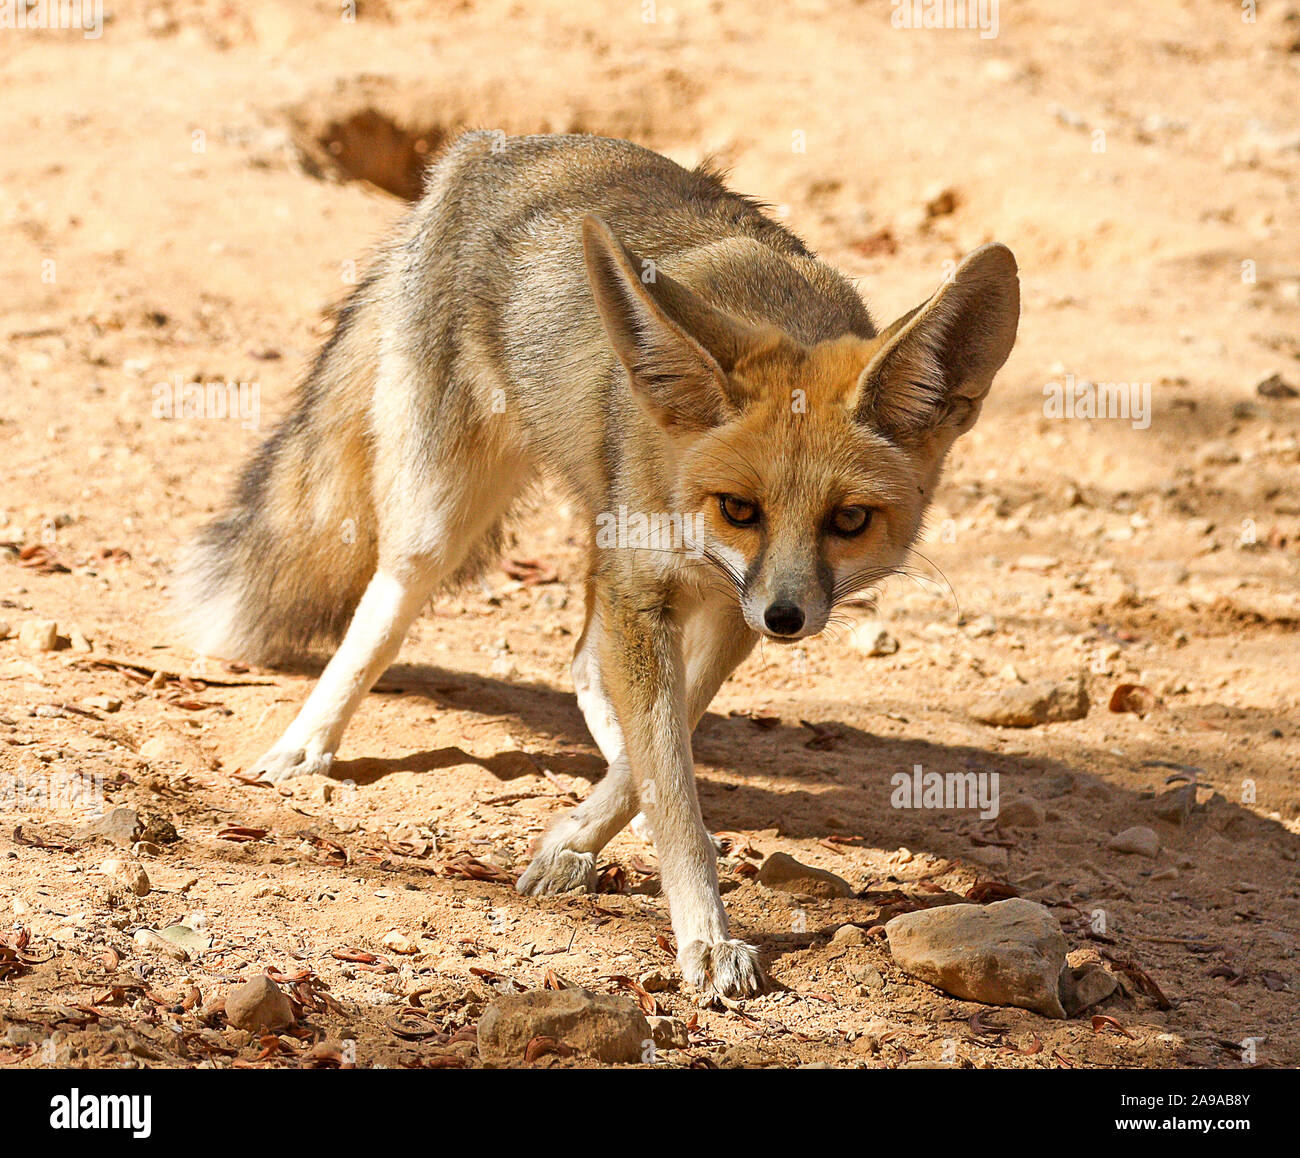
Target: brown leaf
{"x": 541, "y": 1046}
{"x": 644, "y": 998}
{"x": 530, "y": 572}
{"x": 42, "y": 559}
{"x": 612, "y": 879}
{"x": 471, "y": 868}
{"x": 984, "y": 892}
{"x": 241, "y": 834}
{"x": 1102, "y": 1021}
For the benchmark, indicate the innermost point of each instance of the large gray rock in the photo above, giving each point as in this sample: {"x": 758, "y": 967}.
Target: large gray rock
{"x": 1008, "y": 953}
{"x": 597, "y": 1025}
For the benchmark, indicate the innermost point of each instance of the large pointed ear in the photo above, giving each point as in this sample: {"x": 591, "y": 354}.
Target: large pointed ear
{"x": 937, "y": 362}
{"x": 676, "y": 347}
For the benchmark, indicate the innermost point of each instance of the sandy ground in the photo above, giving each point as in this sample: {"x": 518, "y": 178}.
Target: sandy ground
{"x": 187, "y": 196}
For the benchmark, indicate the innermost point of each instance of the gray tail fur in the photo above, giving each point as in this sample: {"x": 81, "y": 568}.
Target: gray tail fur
{"x": 277, "y": 576}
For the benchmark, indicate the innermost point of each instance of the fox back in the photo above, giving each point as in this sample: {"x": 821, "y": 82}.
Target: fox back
{"x": 588, "y": 310}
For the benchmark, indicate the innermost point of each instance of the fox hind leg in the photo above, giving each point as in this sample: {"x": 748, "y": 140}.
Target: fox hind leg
{"x": 430, "y": 529}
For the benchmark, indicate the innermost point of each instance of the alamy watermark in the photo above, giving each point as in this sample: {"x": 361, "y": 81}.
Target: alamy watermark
{"x": 949, "y": 791}
{"x": 973, "y": 14}
{"x": 217, "y": 399}
{"x": 672, "y": 531}
{"x": 1079, "y": 398}
{"x": 84, "y": 16}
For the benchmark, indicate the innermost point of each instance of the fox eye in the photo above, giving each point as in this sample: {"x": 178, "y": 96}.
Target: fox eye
{"x": 737, "y": 511}
{"x": 849, "y": 522}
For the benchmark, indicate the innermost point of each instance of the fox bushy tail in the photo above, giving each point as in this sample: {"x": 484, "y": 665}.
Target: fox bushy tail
{"x": 277, "y": 576}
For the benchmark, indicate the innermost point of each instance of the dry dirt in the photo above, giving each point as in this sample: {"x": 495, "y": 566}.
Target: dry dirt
{"x": 186, "y": 198}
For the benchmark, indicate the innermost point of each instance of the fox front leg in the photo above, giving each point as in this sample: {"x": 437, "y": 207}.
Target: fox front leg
{"x": 645, "y": 673}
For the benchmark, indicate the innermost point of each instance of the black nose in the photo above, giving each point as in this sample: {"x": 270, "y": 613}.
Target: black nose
{"x": 783, "y": 618}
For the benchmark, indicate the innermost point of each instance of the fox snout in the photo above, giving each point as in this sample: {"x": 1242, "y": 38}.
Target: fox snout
{"x": 786, "y": 599}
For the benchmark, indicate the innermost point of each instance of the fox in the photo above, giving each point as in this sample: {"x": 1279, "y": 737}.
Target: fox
{"x": 585, "y": 312}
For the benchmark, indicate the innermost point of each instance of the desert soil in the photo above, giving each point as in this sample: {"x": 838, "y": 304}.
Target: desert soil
{"x": 188, "y": 197}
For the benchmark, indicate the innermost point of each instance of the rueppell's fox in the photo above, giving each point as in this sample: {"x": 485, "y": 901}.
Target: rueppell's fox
{"x": 586, "y": 310}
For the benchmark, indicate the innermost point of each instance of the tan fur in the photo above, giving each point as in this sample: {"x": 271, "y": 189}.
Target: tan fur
{"x": 587, "y": 311}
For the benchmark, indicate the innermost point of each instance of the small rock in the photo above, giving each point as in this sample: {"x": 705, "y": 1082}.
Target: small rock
{"x": 151, "y": 940}
{"x": 597, "y": 1025}
{"x": 1037, "y": 563}
{"x": 104, "y": 704}
{"x": 1274, "y": 387}
{"x": 979, "y": 628}
{"x": 38, "y": 635}
{"x": 1016, "y": 706}
{"x": 1022, "y": 813}
{"x": 669, "y": 1032}
{"x": 872, "y": 639}
{"x": 1007, "y": 953}
{"x": 1218, "y": 454}
{"x": 5, "y": 630}
{"x": 850, "y": 935}
{"x": 864, "y": 973}
{"x": 1175, "y": 805}
{"x": 128, "y": 874}
{"x": 781, "y": 871}
{"x": 79, "y": 642}
{"x": 657, "y": 981}
{"x": 1082, "y": 988}
{"x": 121, "y": 825}
{"x": 186, "y": 937}
{"x": 159, "y": 830}
{"x": 1136, "y": 840}
{"x": 259, "y": 1006}
{"x": 399, "y": 943}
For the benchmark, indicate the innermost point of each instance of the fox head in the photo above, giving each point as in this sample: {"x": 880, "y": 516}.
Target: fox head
{"x": 811, "y": 465}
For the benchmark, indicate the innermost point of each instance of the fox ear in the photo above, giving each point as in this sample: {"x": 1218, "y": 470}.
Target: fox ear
{"x": 677, "y": 348}
{"x": 937, "y": 362}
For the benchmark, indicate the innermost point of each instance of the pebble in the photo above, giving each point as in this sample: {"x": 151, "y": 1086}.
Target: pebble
{"x": 38, "y": 635}
{"x": 259, "y": 1006}
{"x": 1025, "y": 706}
{"x": 150, "y": 939}
{"x": 872, "y": 639}
{"x": 5, "y": 630}
{"x": 1274, "y": 387}
{"x": 1022, "y": 813}
{"x": 782, "y": 872}
{"x": 121, "y": 825}
{"x": 128, "y": 874}
{"x": 104, "y": 704}
{"x": 597, "y": 1025}
{"x": 979, "y": 628}
{"x": 1137, "y": 840}
{"x": 657, "y": 981}
{"x": 397, "y": 942}
{"x": 1084, "y": 987}
{"x": 849, "y": 935}
{"x": 1218, "y": 454}
{"x": 1007, "y": 953}
{"x": 669, "y": 1032}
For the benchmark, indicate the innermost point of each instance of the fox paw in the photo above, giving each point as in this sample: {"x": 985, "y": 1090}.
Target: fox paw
{"x": 728, "y": 969}
{"x": 285, "y": 763}
{"x": 559, "y": 871}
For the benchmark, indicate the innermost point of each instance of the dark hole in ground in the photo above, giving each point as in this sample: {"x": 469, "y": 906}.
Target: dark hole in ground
{"x": 369, "y": 146}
